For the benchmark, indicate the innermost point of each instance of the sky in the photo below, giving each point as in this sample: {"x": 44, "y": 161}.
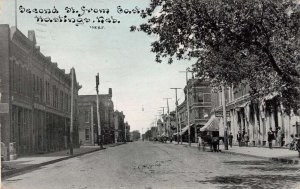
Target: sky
{"x": 122, "y": 58}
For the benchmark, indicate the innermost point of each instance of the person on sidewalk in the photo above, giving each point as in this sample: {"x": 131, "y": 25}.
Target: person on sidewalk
{"x": 230, "y": 137}
{"x": 199, "y": 142}
{"x": 279, "y": 135}
{"x": 292, "y": 142}
{"x": 246, "y": 138}
{"x": 270, "y": 137}
{"x": 295, "y": 142}
{"x": 239, "y": 138}
{"x": 282, "y": 138}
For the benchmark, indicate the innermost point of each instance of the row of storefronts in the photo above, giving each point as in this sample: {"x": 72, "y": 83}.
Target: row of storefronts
{"x": 252, "y": 118}
{"x": 35, "y": 98}
{"x": 35, "y": 102}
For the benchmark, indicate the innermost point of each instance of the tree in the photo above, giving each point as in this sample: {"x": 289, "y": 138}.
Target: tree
{"x": 232, "y": 41}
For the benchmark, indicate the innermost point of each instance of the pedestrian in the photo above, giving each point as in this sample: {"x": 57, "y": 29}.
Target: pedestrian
{"x": 295, "y": 141}
{"x": 215, "y": 144}
{"x": 292, "y": 142}
{"x": 199, "y": 142}
{"x": 270, "y": 137}
{"x": 246, "y": 138}
{"x": 282, "y": 139}
{"x": 239, "y": 138}
{"x": 279, "y": 135}
{"x": 230, "y": 137}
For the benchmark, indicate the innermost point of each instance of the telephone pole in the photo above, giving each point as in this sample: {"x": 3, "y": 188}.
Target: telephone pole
{"x": 72, "y": 111}
{"x": 163, "y": 110}
{"x": 176, "y": 103}
{"x": 98, "y": 113}
{"x": 224, "y": 118}
{"x": 187, "y": 104}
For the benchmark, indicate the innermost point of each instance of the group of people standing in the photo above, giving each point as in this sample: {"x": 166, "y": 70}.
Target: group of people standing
{"x": 242, "y": 138}
{"x": 278, "y": 136}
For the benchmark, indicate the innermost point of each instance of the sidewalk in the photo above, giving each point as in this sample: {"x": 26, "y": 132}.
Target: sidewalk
{"x": 276, "y": 154}
{"x": 26, "y": 163}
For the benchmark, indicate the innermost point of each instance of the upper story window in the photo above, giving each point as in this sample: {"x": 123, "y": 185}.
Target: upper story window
{"x": 86, "y": 116}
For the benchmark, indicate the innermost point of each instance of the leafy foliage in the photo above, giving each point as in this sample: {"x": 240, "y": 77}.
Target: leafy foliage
{"x": 233, "y": 41}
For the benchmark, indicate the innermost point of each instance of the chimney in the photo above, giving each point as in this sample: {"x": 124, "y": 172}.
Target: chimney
{"x": 110, "y": 92}
{"x": 31, "y": 36}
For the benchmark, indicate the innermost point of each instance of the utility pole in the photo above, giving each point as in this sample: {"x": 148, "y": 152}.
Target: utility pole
{"x": 98, "y": 113}
{"x": 156, "y": 126}
{"x": 168, "y": 117}
{"x": 163, "y": 108}
{"x": 224, "y": 118}
{"x": 72, "y": 111}
{"x": 187, "y": 105}
{"x": 176, "y": 103}
{"x": 180, "y": 129}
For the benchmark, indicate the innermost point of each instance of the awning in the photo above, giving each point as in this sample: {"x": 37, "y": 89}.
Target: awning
{"x": 212, "y": 124}
{"x": 271, "y": 96}
{"x": 243, "y": 105}
{"x": 186, "y": 128}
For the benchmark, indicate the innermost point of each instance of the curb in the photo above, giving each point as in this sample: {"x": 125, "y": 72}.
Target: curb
{"x": 14, "y": 172}
{"x": 277, "y": 159}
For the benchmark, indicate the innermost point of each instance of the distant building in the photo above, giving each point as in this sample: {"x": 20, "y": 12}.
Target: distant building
{"x": 106, "y": 109}
{"x": 88, "y": 125}
{"x": 35, "y": 97}
{"x": 135, "y": 135}
{"x": 119, "y": 125}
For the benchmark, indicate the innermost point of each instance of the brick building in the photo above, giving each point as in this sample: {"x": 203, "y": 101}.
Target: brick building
{"x": 200, "y": 106}
{"x": 35, "y": 97}
{"x": 88, "y": 130}
{"x": 106, "y": 109}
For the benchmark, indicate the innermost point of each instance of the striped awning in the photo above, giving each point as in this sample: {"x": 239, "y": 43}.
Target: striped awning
{"x": 212, "y": 124}
{"x": 186, "y": 128}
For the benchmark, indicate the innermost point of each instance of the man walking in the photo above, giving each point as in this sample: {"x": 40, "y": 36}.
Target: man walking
{"x": 270, "y": 137}
{"x": 239, "y": 138}
{"x": 199, "y": 142}
{"x": 230, "y": 137}
{"x": 246, "y": 138}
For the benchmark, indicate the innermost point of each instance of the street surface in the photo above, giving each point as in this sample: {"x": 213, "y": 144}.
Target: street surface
{"x": 155, "y": 165}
